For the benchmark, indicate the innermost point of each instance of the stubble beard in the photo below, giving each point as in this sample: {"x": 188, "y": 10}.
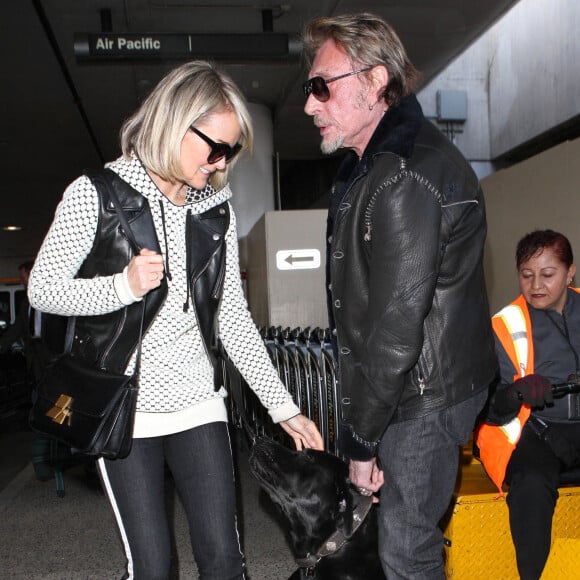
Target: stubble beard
{"x": 328, "y": 147}
{"x": 331, "y": 146}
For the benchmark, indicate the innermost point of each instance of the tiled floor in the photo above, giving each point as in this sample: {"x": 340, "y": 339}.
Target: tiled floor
{"x": 43, "y": 536}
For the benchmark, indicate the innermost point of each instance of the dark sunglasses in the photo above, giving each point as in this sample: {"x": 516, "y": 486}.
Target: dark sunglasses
{"x": 218, "y": 150}
{"x": 318, "y": 86}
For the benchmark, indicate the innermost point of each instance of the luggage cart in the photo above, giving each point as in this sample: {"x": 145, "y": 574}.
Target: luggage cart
{"x": 305, "y": 363}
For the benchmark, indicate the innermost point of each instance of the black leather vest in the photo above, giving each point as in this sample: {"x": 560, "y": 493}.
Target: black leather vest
{"x": 206, "y": 268}
{"x": 108, "y": 340}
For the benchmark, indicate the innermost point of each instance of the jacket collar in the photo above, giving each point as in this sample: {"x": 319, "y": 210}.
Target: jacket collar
{"x": 397, "y": 130}
{"x": 396, "y": 133}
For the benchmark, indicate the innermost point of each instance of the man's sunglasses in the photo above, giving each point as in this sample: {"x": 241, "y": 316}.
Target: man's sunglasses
{"x": 218, "y": 150}
{"x": 318, "y": 86}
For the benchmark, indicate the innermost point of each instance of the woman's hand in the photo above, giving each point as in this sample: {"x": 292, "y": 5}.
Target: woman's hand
{"x": 145, "y": 272}
{"x": 304, "y": 432}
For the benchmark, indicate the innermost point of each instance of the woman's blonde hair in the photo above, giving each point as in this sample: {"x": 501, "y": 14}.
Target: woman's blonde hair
{"x": 187, "y": 95}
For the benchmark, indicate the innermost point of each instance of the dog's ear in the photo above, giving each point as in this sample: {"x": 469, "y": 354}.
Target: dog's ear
{"x": 344, "y": 508}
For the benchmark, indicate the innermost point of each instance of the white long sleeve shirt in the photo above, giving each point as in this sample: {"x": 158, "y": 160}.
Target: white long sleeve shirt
{"x": 176, "y": 378}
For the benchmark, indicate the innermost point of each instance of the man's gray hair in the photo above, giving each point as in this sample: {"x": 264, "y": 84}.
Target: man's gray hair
{"x": 368, "y": 41}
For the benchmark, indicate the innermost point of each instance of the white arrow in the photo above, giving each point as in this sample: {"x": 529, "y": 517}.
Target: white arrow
{"x": 291, "y": 259}
{"x": 298, "y": 259}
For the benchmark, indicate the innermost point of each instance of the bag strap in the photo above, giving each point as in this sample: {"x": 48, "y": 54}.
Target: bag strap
{"x": 137, "y": 250}
{"x": 109, "y": 173}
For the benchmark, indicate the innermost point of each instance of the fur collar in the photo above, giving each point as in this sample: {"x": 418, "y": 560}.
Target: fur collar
{"x": 396, "y": 133}
{"x": 398, "y": 129}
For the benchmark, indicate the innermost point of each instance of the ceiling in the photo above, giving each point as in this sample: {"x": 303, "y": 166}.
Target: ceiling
{"x": 62, "y": 113}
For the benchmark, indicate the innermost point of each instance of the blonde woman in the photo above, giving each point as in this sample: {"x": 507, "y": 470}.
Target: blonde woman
{"x": 177, "y": 149}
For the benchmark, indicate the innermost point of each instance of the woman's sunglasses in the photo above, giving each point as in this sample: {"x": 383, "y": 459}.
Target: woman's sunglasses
{"x": 218, "y": 150}
{"x": 318, "y": 86}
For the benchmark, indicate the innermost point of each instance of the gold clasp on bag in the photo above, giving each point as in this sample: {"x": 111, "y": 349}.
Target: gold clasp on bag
{"x": 61, "y": 411}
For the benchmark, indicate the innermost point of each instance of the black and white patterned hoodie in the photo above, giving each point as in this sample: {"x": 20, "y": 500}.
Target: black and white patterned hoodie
{"x": 176, "y": 378}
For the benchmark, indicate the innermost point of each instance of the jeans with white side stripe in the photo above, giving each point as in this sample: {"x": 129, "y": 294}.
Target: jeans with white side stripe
{"x": 200, "y": 461}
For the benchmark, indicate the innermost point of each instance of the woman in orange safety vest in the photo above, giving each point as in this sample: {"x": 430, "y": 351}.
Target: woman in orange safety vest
{"x": 529, "y": 436}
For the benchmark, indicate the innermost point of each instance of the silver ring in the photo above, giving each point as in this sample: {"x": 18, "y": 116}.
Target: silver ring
{"x": 364, "y": 491}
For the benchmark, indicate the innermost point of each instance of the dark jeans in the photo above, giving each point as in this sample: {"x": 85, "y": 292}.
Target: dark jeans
{"x": 200, "y": 461}
{"x": 420, "y": 459}
{"x": 533, "y": 475}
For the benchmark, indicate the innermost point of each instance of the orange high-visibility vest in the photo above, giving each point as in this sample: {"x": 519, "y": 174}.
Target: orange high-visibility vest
{"x": 496, "y": 443}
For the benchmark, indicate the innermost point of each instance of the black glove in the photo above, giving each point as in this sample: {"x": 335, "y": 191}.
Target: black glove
{"x": 535, "y": 390}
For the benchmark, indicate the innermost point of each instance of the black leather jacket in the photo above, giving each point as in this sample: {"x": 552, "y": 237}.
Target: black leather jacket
{"x": 407, "y": 296}
{"x": 108, "y": 340}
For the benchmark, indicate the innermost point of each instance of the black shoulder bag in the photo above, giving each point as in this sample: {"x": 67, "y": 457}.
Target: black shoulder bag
{"x": 87, "y": 408}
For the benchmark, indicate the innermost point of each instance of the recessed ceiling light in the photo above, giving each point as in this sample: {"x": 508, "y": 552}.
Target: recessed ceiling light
{"x": 12, "y": 228}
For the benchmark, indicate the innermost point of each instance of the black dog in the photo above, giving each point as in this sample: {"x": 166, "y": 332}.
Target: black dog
{"x": 332, "y": 529}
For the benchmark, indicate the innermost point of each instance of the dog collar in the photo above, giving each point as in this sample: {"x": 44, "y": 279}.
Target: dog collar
{"x": 337, "y": 539}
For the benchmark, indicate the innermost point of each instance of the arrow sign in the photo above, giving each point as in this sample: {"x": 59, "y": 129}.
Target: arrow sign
{"x": 298, "y": 259}
{"x": 292, "y": 259}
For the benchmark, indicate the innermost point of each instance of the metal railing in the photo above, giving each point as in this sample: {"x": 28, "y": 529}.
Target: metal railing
{"x": 305, "y": 364}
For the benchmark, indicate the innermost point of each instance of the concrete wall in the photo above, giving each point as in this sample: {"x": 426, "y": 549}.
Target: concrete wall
{"x": 521, "y": 79}
{"x": 542, "y": 192}
{"x": 467, "y": 73}
{"x": 534, "y": 82}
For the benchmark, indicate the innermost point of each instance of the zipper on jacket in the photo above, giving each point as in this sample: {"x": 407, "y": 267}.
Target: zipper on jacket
{"x": 367, "y": 236}
{"x": 205, "y": 346}
{"x": 118, "y": 331}
{"x": 191, "y": 283}
{"x": 421, "y": 385}
{"x": 368, "y": 214}
{"x": 403, "y": 172}
{"x": 218, "y": 286}
{"x": 422, "y": 372}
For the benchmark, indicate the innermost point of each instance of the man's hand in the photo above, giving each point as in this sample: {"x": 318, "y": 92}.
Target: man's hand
{"x": 366, "y": 476}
